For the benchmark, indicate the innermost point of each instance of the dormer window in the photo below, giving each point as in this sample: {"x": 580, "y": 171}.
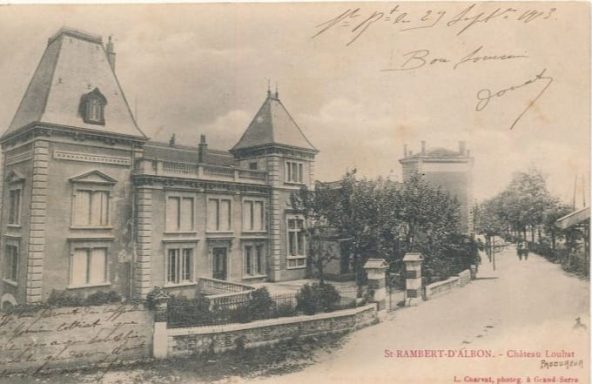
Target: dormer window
{"x": 92, "y": 107}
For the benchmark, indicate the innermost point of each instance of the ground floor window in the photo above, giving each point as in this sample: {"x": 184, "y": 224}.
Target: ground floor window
{"x": 179, "y": 265}
{"x": 296, "y": 263}
{"x": 254, "y": 260}
{"x": 88, "y": 266}
{"x": 11, "y": 263}
{"x": 296, "y": 243}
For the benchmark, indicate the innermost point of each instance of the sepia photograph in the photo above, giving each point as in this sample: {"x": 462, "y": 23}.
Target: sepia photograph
{"x": 295, "y": 192}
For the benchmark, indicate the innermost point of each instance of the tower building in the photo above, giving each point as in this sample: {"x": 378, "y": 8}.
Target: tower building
{"x": 447, "y": 169}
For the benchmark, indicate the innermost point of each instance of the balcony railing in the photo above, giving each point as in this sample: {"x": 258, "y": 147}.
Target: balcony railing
{"x": 156, "y": 167}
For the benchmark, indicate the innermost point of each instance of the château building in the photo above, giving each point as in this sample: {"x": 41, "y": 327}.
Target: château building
{"x": 90, "y": 203}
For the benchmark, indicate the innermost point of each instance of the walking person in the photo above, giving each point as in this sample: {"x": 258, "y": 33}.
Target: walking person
{"x": 520, "y": 249}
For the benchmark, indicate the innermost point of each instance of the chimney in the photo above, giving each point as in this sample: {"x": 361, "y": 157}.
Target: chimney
{"x": 202, "y": 149}
{"x": 423, "y": 147}
{"x": 172, "y": 141}
{"x": 462, "y": 147}
{"x": 404, "y": 150}
{"x": 111, "y": 54}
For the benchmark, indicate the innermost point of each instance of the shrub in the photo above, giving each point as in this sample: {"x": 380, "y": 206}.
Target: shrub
{"x": 151, "y": 296}
{"x": 59, "y": 298}
{"x": 187, "y": 312}
{"x": 316, "y": 298}
{"x": 101, "y": 297}
{"x": 284, "y": 310}
{"x": 65, "y": 299}
{"x": 241, "y": 314}
{"x": 260, "y": 305}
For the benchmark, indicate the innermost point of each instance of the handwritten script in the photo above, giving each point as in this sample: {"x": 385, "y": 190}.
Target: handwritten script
{"x": 355, "y": 22}
{"x": 423, "y": 58}
{"x": 52, "y": 338}
{"x": 485, "y": 95}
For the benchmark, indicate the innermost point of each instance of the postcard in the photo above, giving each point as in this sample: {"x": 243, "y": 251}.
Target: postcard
{"x": 322, "y": 192}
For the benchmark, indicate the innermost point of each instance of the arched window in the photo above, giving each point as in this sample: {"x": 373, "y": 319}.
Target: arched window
{"x": 92, "y": 107}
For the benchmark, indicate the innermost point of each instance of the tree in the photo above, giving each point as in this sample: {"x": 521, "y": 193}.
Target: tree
{"x": 519, "y": 208}
{"x": 314, "y": 205}
{"x": 382, "y": 218}
{"x": 551, "y": 215}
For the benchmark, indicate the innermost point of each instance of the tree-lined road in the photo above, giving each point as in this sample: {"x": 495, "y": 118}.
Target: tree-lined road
{"x": 523, "y": 308}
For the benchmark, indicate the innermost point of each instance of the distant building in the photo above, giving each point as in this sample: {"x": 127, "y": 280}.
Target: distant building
{"x": 450, "y": 170}
{"x": 90, "y": 203}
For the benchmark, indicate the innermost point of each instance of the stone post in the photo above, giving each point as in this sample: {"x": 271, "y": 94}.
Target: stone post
{"x": 413, "y": 283}
{"x": 473, "y": 271}
{"x": 375, "y": 270}
{"x": 160, "y": 341}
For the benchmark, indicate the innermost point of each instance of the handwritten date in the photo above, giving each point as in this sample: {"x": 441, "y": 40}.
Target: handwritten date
{"x": 356, "y": 22}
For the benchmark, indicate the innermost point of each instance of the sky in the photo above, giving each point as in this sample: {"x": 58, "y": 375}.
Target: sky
{"x": 205, "y": 69}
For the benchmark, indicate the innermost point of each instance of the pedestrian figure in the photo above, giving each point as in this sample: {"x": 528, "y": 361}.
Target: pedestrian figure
{"x": 522, "y": 250}
{"x": 519, "y": 249}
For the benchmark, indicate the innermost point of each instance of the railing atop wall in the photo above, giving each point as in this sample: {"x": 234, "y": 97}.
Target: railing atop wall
{"x": 158, "y": 167}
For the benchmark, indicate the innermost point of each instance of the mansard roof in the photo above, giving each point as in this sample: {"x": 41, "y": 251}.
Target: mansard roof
{"x": 273, "y": 125}
{"x": 74, "y": 64}
{"x": 186, "y": 154}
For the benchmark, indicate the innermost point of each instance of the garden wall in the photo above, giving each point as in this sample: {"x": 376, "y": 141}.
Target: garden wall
{"x": 76, "y": 337}
{"x": 464, "y": 277}
{"x": 186, "y": 341}
{"x": 442, "y": 287}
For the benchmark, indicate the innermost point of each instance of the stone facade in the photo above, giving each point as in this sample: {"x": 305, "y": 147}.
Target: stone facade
{"x": 90, "y": 203}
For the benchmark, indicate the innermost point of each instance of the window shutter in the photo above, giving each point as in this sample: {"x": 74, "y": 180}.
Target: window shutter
{"x": 258, "y": 216}
{"x": 247, "y": 206}
{"x": 212, "y": 215}
{"x": 98, "y": 264}
{"x": 186, "y": 214}
{"x": 172, "y": 214}
{"x": 79, "y": 267}
{"x": 225, "y": 219}
{"x": 82, "y": 208}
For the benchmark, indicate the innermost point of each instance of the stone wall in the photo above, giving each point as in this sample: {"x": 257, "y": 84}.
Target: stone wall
{"x": 73, "y": 338}
{"x": 186, "y": 341}
{"x": 442, "y": 287}
{"x": 464, "y": 278}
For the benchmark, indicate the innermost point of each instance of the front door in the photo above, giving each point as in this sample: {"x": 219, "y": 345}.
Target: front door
{"x": 219, "y": 268}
